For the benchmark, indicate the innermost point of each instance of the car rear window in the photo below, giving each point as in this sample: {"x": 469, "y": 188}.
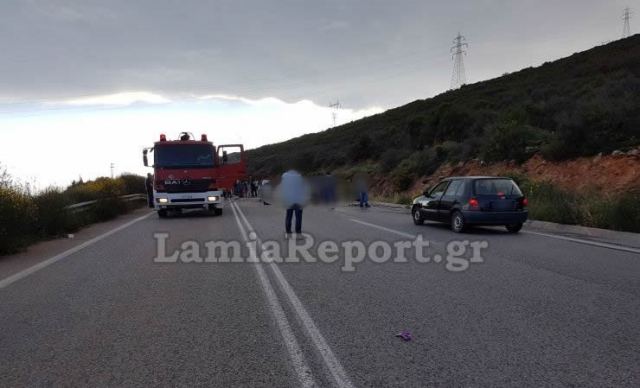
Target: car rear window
{"x": 498, "y": 187}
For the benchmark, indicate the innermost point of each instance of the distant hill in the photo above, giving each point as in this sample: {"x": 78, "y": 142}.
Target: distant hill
{"x": 576, "y": 106}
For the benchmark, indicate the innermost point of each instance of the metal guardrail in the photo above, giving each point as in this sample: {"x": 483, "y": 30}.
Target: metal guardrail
{"x": 76, "y": 207}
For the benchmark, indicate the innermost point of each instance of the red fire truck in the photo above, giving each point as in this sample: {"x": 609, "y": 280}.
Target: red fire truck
{"x": 193, "y": 174}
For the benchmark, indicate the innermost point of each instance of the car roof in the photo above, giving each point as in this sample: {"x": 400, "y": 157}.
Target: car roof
{"x": 475, "y": 177}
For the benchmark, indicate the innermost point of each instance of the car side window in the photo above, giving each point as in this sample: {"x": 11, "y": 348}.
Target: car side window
{"x": 438, "y": 190}
{"x": 453, "y": 188}
{"x": 461, "y": 188}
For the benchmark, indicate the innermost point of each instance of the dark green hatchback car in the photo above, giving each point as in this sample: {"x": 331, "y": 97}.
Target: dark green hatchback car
{"x": 473, "y": 200}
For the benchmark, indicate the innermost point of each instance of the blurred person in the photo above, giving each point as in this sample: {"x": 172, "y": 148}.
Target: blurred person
{"x": 329, "y": 190}
{"x": 265, "y": 192}
{"x": 245, "y": 189}
{"x": 254, "y": 188}
{"x": 236, "y": 188}
{"x": 294, "y": 193}
{"x": 362, "y": 188}
{"x": 148, "y": 184}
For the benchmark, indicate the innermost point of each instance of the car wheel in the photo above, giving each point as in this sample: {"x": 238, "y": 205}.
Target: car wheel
{"x": 515, "y": 228}
{"x": 217, "y": 212}
{"x": 457, "y": 222}
{"x": 417, "y": 217}
{"x": 162, "y": 213}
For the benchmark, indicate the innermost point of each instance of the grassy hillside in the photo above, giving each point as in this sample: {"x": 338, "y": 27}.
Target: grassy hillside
{"x": 577, "y": 106}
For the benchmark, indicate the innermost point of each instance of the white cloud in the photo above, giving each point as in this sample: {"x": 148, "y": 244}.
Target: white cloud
{"x": 119, "y": 99}
{"x": 81, "y": 140}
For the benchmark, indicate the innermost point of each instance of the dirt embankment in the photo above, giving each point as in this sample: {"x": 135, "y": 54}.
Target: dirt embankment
{"x": 611, "y": 174}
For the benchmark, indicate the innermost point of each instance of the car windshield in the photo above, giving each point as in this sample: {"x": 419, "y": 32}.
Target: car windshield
{"x": 498, "y": 187}
{"x": 191, "y": 155}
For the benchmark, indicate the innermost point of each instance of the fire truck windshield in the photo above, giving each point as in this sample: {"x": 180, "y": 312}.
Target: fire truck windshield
{"x": 184, "y": 155}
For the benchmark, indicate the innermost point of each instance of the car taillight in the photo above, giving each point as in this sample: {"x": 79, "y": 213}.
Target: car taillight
{"x": 473, "y": 203}
{"x": 525, "y": 202}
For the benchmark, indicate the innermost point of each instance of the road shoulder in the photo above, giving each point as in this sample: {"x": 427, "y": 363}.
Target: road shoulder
{"x": 36, "y": 253}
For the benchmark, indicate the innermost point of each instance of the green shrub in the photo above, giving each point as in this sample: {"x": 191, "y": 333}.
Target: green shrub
{"x": 53, "y": 218}
{"x": 618, "y": 213}
{"x": 548, "y": 203}
{"x": 19, "y": 217}
{"x": 452, "y": 152}
{"x": 402, "y": 176}
{"x": 108, "y": 208}
{"x": 27, "y": 217}
{"x": 133, "y": 184}
{"x": 402, "y": 199}
{"x": 391, "y": 158}
{"x": 362, "y": 149}
{"x": 506, "y": 141}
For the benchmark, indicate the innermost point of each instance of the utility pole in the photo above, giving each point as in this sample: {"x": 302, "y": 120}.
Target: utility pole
{"x": 626, "y": 29}
{"x": 112, "y": 167}
{"x": 334, "y": 113}
{"x": 458, "y": 51}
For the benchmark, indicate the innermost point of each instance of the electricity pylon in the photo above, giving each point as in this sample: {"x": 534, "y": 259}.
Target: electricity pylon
{"x": 626, "y": 17}
{"x": 459, "y": 77}
{"x": 334, "y": 113}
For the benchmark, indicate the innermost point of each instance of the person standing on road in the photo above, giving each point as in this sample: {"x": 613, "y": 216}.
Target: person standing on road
{"x": 148, "y": 184}
{"x": 362, "y": 188}
{"x": 329, "y": 190}
{"x": 254, "y": 188}
{"x": 266, "y": 193}
{"x": 294, "y": 193}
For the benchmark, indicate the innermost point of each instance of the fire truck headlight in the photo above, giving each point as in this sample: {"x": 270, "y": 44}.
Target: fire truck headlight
{"x": 212, "y": 199}
{"x": 162, "y": 200}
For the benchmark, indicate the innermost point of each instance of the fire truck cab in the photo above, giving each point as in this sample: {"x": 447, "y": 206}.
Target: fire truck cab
{"x": 192, "y": 174}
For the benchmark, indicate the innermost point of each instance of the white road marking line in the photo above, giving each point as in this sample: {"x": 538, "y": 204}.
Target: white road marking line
{"x": 43, "y": 264}
{"x": 295, "y": 353}
{"x": 330, "y": 360}
{"x": 588, "y": 242}
{"x": 432, "y": 243}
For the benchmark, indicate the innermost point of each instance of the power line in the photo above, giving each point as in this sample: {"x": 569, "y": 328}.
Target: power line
{"x": 336, "y": 106}
{"x": 458, "y": 77}
{"x": 626, "y": 17}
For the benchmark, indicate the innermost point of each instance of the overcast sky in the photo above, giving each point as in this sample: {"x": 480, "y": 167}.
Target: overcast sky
{"x": 251, "y": 65}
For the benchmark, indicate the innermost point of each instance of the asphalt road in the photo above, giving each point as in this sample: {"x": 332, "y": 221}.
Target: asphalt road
{"x": 537, "y": 311}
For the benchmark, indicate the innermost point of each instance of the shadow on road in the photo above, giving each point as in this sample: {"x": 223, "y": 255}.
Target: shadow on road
{"x": 471, "y": 230}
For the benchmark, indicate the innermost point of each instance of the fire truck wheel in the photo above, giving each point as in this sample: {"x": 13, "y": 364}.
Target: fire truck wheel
{"x": 162, "y": 213}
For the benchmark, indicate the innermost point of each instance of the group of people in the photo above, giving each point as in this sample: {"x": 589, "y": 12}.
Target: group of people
{"x": 247, "y": 188}
{"x": 295, "y": 192}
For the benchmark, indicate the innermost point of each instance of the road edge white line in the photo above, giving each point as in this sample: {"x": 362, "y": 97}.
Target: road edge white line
{"x": 43, "y": 264}
{"x": 330, "y": 360}
{"x": 559, "y": 237}
{"x": 587, "y": 242}
{"x": 305, "y": 377}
